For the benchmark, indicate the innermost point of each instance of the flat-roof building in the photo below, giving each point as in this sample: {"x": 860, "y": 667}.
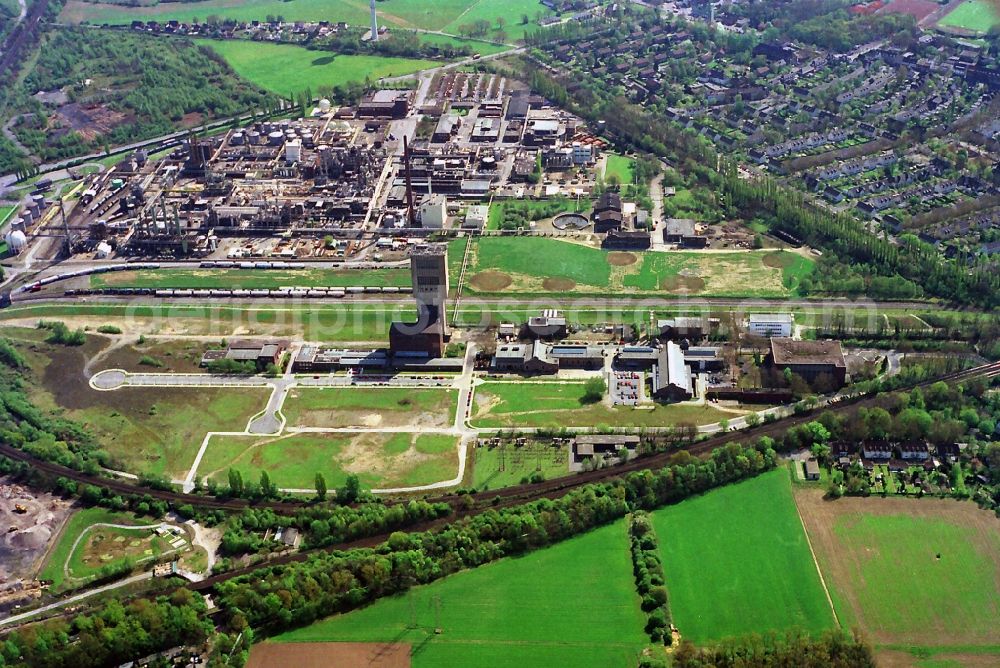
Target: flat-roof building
{"x": 771, "y": 324}
{"x": 809, "y": 359}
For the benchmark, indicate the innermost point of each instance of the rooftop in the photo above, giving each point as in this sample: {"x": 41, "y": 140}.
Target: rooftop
{"x": 790, "y": 351}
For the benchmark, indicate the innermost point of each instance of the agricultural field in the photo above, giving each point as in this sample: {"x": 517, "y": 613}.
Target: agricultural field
{"x": 974, "y": 16}
{"x": 370, "y": 407}
{"x": 292, "y": 461}
{"x": 555, "y": 405}
{"x": 287, "y": 69}
{"x": 916, "y": 574}
{"x": 504, "y": 466}
{"x": 620, "y": 167}
{"x": 510, "y": 265}
{"x": 737, "y": 562}
{"x": 513, "y": 612}
{"x": 476, "y": 45}
{"x": 252, "y": 278}
{"x": 146, "y": 430}
{"x": 82, "y": 548}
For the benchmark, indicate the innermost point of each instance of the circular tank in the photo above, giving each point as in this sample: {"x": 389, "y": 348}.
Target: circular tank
{"x": 275, "y": 138}
{"x": 236, "y": 139}
{"x": 324, "y": 105}
{"x": 18, "y": 225}
{"x": 16, "y": 241}
{"x": 254, "y": 138}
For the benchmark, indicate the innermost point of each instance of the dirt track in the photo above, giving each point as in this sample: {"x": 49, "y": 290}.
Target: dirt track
{"x": 328, "y": 654}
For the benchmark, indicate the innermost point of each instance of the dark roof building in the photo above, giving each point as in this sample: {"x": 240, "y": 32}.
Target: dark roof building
{"x": 809, "y": 359}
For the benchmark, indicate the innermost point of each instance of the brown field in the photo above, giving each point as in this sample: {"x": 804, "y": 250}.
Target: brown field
{"x": 946, "y": 610}
{"x": 558, "y": 284}
{"x": 918, "y": 9}
{"x": 680, "y": 283}
{"x": 620, "y": 259}
{"x": 490, "y": 281}
{"x": 329, "y": 655}
{"x": 888, "y": 658}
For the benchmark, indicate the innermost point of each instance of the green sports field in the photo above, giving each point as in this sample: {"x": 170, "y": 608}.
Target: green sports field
{"x": 287, "y": 69}
{"x": 554, "y": 405}
{"x": 252, "y": 278}
{"x": 976, "y": 16}
{"x": 573, "y": 604}
{"x": 737, "y": 562}
{"x": 540, "y": 265}
{"x": 292, "y": 461}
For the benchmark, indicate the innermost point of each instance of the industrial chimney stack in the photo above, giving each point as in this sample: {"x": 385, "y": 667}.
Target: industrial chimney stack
{"x": 374, "y": 23}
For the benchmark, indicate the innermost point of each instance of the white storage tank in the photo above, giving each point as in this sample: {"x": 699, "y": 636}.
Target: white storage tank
{"x": 324, "y": 105}
{"x": 16, "y": 241}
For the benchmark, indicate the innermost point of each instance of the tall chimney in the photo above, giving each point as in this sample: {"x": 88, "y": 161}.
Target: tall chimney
{"x": 374, "y": 23}
{"x": 409, "y": 181}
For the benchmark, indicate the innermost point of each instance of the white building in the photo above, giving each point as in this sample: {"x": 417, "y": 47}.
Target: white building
{"x": 582, "y": 153}
{"x": 771, "y": 324}
{"x": 433, "y": 211}
{"x": 476, "y": 217}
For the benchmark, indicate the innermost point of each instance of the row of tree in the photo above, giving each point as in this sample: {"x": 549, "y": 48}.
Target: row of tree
{"x": 280, "y": 597}
{"x": 649, "y": 578}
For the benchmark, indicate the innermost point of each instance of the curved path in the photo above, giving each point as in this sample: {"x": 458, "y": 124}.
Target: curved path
{"x": 109, "y": 525}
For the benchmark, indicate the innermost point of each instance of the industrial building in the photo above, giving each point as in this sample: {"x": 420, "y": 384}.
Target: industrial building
{"x": 768, "y": 325}
{"x": 671, "y": 376}
{"x": 809, "y": 359}
{"x": 261, "y": 353}
{"x": 541, "y": 358}
{"x": 429, "y": 277}
{"x": 551, "y": 324}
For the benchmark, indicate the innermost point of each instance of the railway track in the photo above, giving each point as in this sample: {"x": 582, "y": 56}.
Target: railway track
{"x": 460, "y": 503}
{"x": 512, "y": 496}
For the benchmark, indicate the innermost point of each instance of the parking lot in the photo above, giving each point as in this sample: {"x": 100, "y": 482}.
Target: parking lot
{"x": 627, "y": 388}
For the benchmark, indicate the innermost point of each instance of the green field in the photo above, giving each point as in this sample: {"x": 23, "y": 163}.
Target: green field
{"x": 620, "y": 167}
{"x": 737, "y": 562}
{"x": 329, "y": 323}
{"x": 287, "y": 69}
{"x": 913, "y": 573}
{"x": 476, "y": 45}
{"x": 554, "y": 405}
{"x": 503, "y": 466}
{"x": 252, "y": 278}
{"x": 59, "y": 555}
{"x": 292, "y": 461}
{"x": 444, "y": 15}
{"x": 539, "y": 265}
{"x": 976, "y": 16}
{"x": 573, "y": 604}
{"x": 370, "y": 407}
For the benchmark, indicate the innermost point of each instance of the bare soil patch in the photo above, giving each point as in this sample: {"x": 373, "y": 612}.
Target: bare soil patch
{"x": 326, "y": 654}
{"x": 490, "y": 281}
{"x": 897, "y": 659}
{"x": 32, "y": 520}
{"x": 680, "y": 283}
{"x": 778, "y": 260}
{"x": 620, "y": 259}
{"x": 558, "y": 284}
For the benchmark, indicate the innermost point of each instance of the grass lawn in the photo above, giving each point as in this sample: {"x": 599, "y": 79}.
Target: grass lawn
{"x": 294, "y": 10}
{"x": 287, "y": 69}
{"x": 543, "y": 404}
{"x": 539, "y": 265}
{"x": 737, "y": 562}
{"x": 477, "y": 46}
{"x": 910, "y": 572}
{"x": 292, "y": 461}
{"x": 59, "y": 554}
{"x": 974, "y": 15}
{"x": 314, "y": 322}
{"x": 619, "y": 166}
{"x": 370, "y": 407}
{"x": 252, "y": 278}
{"x": 504, "y": 466}
{"x": 528, "y": 206}
{"x": 6, "y": 212}
{"x": 146, "y": 429}
{"x": 513, "y": 613}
